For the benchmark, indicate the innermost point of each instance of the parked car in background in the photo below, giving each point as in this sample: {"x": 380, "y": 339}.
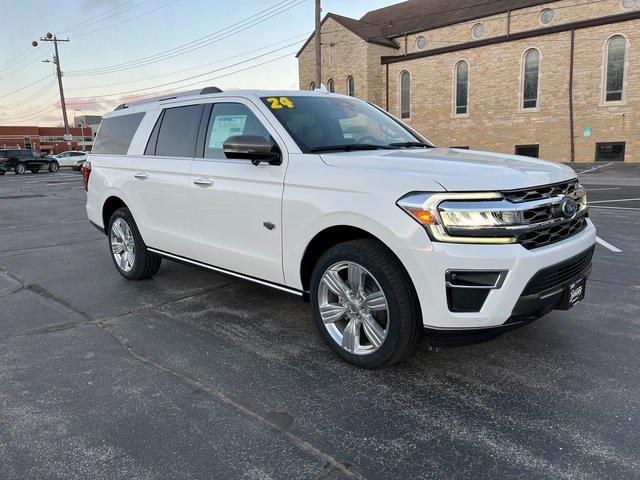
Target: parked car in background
{"x": 77, "y": 166}
{"x": 22, "y": 159}
{"x": 69, "y": 159}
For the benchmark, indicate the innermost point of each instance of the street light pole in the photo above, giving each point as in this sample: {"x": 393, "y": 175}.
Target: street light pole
{"x": 56, "y": 60}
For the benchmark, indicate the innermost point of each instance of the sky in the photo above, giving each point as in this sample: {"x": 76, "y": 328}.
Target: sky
{"x": 120, "y": 50}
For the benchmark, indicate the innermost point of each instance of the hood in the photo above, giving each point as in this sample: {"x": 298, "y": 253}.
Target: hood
{"x": 456, "y": 170}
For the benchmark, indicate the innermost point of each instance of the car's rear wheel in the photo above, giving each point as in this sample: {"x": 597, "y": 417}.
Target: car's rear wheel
{"x": 364, "y": 305}
{"x": 20, "y": 168}
{"x": 128, "y": 251}
{"x": 54, "y": 166}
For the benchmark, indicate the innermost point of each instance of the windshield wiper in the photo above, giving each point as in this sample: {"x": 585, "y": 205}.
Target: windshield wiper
{"x": 349, "y": 147}
{"x": 411, "y": 144}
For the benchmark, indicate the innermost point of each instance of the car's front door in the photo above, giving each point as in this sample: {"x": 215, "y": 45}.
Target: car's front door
{"x": 235, "y": 205}
{"x": 160, "y": 196}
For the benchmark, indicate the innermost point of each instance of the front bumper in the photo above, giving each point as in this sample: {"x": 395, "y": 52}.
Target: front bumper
{"x": 505, "y": 306}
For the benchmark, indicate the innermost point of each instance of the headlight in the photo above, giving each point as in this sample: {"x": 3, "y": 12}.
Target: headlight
{"x": 488, "y": 217}
{"x": 441, "y": 214}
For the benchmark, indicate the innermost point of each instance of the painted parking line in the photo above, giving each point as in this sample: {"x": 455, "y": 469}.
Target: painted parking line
{"x": 617, "y": 200}
{"x": 616, "y": 208}
{"x": 608, "y": 245}
{"x": 594, "y": 169}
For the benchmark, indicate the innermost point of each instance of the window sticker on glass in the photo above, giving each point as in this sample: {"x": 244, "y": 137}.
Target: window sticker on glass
{"x": 225, "y": 126}
{"x": 278, "y": 103}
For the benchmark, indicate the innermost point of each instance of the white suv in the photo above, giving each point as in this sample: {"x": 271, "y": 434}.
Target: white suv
{"x": 331, "y": 198}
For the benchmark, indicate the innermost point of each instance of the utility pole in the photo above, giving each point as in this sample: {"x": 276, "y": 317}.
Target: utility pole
{"x": 56, "y": 60}
{"x": 318, "y": 46}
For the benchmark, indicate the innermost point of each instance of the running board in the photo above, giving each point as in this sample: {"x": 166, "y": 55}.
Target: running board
{"x": 227, "y": 272}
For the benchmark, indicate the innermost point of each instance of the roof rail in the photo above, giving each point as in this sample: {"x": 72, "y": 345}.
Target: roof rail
{"x": 204, "y": 91}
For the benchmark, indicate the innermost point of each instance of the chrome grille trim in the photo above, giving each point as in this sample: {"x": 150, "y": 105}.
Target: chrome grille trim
{"x": 541, "y": 192}
{"x": 533, "y": 223}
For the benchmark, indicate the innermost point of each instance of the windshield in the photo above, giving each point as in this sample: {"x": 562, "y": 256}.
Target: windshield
{"x": 331, "y": 123}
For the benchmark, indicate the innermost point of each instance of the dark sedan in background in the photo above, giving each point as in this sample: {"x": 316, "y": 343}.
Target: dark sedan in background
{"x": 21, "y": 160}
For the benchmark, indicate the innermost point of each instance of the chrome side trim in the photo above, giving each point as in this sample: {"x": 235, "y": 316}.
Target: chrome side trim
{"x": 227, "y": 272}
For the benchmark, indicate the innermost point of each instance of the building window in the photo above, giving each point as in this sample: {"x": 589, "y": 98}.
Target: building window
{"x": 610, "y": 152}
{"x": 351, "y": 86}
{"x": 546, "y": 16}
{"x": 616, "y": 56}
{"x": 312, "y": 87}
{"x": 405, "y": 94}
{"x": 629, "y": 3}
{"x": 462, "y": 87}
{"x": 330, "y": 86}
{"x": 421, "y": 43}
{"x": 528, "y": 150}
{"x": 530, "y": 78}
{"x": 478, "y": 30}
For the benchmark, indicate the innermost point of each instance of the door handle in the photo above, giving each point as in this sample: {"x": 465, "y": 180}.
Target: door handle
{"x": 203, "y": 182}
{"x": 141, "y": 175}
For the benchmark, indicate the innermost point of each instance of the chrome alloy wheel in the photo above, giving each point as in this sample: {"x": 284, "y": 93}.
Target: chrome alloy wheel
{"x": 353, "y": 308}
{"x": 123, "y": 245}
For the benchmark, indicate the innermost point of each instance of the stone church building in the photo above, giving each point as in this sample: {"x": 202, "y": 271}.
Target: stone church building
{"x": 559, "y": 80}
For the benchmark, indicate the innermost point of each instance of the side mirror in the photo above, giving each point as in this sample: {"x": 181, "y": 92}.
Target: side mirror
{"x": 252, "y": 147}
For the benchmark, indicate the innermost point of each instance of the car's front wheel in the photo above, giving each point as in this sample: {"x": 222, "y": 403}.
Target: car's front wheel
{"x": 128, "y": 251}
{"x": 54, "y": 166}
{"x": 364, "y": 305}
{"x": 20, "y": 168}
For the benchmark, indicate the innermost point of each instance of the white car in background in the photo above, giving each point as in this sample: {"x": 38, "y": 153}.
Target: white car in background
{"x": 68, "y": 159}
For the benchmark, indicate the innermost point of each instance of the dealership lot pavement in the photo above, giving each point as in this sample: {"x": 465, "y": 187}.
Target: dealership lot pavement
{"x": 197, "y": 375}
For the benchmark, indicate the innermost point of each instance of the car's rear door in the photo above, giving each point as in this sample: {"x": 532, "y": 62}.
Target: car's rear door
{"x": 235, "y": 205}
{"x": 162, "y": 173}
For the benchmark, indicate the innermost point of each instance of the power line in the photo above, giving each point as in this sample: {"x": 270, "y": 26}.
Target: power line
{"x": 26, "y": 86}
{"x": 91, "y": 32}
{"x": 20, "y": 56}
{"x": 68, "y": 29}
{"x": 192, "y": 77}
{"x": 41, "y": 91}
{"x": 216, "y": 36}
{"x": 201, "y": 65}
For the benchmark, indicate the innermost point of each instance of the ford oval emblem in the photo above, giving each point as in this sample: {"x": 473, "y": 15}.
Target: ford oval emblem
{"x": 568, "y": 207}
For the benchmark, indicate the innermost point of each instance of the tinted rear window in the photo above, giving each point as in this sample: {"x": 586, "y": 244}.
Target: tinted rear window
{"x": 115, "y": 134}
{"x": 179, "y": 131}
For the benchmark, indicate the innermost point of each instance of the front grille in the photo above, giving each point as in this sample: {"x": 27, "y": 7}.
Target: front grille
{"x": 542, "y": 192}
{"x": 546, "y": 236}
{"x": 559, "y": 274}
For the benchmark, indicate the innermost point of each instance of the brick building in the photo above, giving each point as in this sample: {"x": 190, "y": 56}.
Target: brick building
{"x": 46, "y": 139}
{"x": 559, "y": 80}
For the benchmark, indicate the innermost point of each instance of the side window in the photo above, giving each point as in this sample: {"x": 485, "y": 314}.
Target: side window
{"x": 228, "y": 120}
{"x": 179, "y": 131}
{"x": 153, "y": 139}
{"x": 116, "y": 133}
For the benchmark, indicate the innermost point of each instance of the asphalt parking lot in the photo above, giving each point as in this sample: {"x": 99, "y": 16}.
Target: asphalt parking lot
{"x": 197, "y": 375}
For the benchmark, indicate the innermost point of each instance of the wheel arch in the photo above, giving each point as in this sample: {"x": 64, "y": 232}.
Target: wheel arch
{"x": 334, "y": 235}
{"x": 110, "y": 205}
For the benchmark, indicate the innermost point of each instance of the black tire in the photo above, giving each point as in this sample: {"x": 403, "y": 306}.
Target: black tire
{"x": 404, "y": 319}
{"x": 146, "y": 264}
{"x": 53, "y": 166}
{"x": 20, "y": 168}
{"x": 2, "y": 173}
